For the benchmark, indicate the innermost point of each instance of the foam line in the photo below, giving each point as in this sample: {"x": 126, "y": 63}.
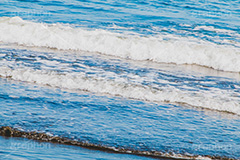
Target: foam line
{"x": 177, "y": 50}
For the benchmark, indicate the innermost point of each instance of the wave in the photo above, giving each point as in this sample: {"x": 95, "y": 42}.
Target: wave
{"x": 160, "y": 48}
{"x": 214, "y": 99}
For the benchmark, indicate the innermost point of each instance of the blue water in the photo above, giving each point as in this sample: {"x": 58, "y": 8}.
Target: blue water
{"x": 118, "y": 122}
{"x": 117, "y": 102}
{"x": 144, "y": 17}
{"x": 18, "y": 148}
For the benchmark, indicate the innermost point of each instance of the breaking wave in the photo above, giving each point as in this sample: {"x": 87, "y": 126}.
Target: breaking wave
{"x": 159, "y": 48}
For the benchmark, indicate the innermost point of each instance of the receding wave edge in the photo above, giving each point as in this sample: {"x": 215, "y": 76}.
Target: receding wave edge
{"x": 43, "y": 137}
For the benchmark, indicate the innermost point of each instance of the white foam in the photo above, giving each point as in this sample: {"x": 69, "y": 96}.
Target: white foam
{"x": 179, "y": 51}
{"x": 214, "y": 99}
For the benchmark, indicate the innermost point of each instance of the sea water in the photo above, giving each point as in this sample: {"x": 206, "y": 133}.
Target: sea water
{"x": 149, "y": 76}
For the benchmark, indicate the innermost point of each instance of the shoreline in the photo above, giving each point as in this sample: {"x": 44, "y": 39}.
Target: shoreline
{"x": 7, "y": 131}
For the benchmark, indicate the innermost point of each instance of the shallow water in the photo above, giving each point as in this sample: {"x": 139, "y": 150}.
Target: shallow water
{"x": 118, "y": 121}
{"x": 19, "y": 148}
{"x": 139, "y": 75}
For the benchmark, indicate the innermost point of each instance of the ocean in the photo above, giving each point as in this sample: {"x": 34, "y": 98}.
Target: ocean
{"x": 105, "y": 79}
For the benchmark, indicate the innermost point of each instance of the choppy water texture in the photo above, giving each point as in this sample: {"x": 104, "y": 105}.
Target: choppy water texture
{"x": 154, "y": 76}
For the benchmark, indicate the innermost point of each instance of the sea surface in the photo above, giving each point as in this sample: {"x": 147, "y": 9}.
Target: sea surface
{"x": 152, "y": 76}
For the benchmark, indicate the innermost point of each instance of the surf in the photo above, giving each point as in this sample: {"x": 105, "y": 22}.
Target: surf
{"x": 157, "y": 48}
